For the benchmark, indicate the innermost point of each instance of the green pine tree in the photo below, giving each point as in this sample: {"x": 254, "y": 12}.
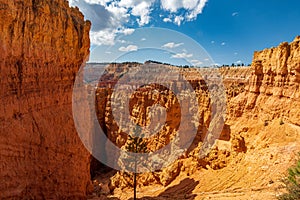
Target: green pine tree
{"x": 292, "y": 183}
{"x": 136, "y": 145}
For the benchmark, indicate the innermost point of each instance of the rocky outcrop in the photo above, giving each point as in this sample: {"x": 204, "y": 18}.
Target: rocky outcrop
{"x": 259, "y": 137}
{"x": 42, "y": 45}
{"x": 267, "y": 90}
{"x": 144, "y": 98}
{"x": 273, "y": 90}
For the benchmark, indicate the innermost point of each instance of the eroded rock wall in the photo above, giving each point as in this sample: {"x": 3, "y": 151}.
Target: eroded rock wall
{"x": 42, "y": 45}
{"x": 140, "y": 105}
{"x": 266, "y": 92}
{"x": 273, "y": 90}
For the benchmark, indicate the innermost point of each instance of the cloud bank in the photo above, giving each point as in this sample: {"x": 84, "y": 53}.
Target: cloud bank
{"x": 111, "y": 18}
{"x": 128, "y": 48}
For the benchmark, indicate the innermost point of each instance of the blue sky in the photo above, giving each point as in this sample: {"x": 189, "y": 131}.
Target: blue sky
{"x": 194, "y": 31}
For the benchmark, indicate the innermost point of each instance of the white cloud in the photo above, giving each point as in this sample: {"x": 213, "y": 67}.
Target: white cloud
{"x": 127, "y": 3}
{"x": 127, "y": 31}
{"x": 223, "y": 43}
{"x": 193, "y": 7}
{"x": 235, "y": 14}
{"x": 166, "y": 19}
{"x": 197, "y": 10}
{"x": 189, "y": 4}
{"x": 139, "y": 8}
{"x": 171, "y": 5}
{"x": 120, "y": 15}
{"x": 110, "y": 17}
{"x": 196, "y": 62}
{"x": 239, "y": 62}
{"x": 107, "y": 19}
{"x": 143, "y": 39}
{"x": 122, "y": 41}
{"x": 102, "y": 16}
{"x": 129, "y": 48}
{"x": 178, "y": 20}
{"x": 212, "y": 42}
{"x": 172, "y": 45}
{"x": 143, "y": 11}
{"x": 104, "y": 37}
{"x": 182, "y": 55}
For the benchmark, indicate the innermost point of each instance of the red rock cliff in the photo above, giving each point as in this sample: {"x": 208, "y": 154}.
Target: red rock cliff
{"x": 42, "y": 45}
{"x": 273, "y": 90}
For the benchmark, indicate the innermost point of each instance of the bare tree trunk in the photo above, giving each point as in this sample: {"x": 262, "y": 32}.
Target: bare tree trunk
{"x": 134, "y": 186}
{"x": 134, "y": 180}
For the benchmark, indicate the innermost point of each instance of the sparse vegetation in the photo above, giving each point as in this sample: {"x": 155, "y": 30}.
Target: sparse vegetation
{"x": 292, "y": 183}
{"x": 266, "y": 123}
{"x": 136, "y": 145}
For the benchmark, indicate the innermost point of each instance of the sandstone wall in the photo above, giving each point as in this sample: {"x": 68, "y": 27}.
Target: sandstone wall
{"x": 42, "y": 45}
{"x": 273, "y": 89}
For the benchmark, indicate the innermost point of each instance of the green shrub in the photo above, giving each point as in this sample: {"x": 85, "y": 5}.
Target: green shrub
{"x": 292, "y": 183}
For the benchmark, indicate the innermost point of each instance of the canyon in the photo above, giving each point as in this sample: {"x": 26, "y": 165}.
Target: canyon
{"x": 259, "y": 140}
{"x": 43, "y": 44}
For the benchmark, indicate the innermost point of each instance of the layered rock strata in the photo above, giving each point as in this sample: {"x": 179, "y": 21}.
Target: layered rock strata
{"x": 273, "y": 90}
{"x": 42, "y": 45}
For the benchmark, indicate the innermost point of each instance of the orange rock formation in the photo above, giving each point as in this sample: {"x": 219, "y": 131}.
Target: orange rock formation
{"x": 259, "y": 139}
{"x": 42, "y": 45}
{"x": 273, "y": 90}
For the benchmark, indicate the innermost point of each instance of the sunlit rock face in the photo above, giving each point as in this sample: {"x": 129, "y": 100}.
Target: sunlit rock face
{"x": 42, "y": 45}
{"x": 273, "y": 89}
{"x": 267, "y": 90}
{"x": 142, "y": 101}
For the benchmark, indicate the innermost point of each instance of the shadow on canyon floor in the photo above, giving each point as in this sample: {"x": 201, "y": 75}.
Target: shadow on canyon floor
{"x": 181, "y": 191}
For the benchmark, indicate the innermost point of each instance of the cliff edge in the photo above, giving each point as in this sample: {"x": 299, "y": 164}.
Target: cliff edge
{"x": 273, "y": 90}
{"x": 42, "y": 45}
